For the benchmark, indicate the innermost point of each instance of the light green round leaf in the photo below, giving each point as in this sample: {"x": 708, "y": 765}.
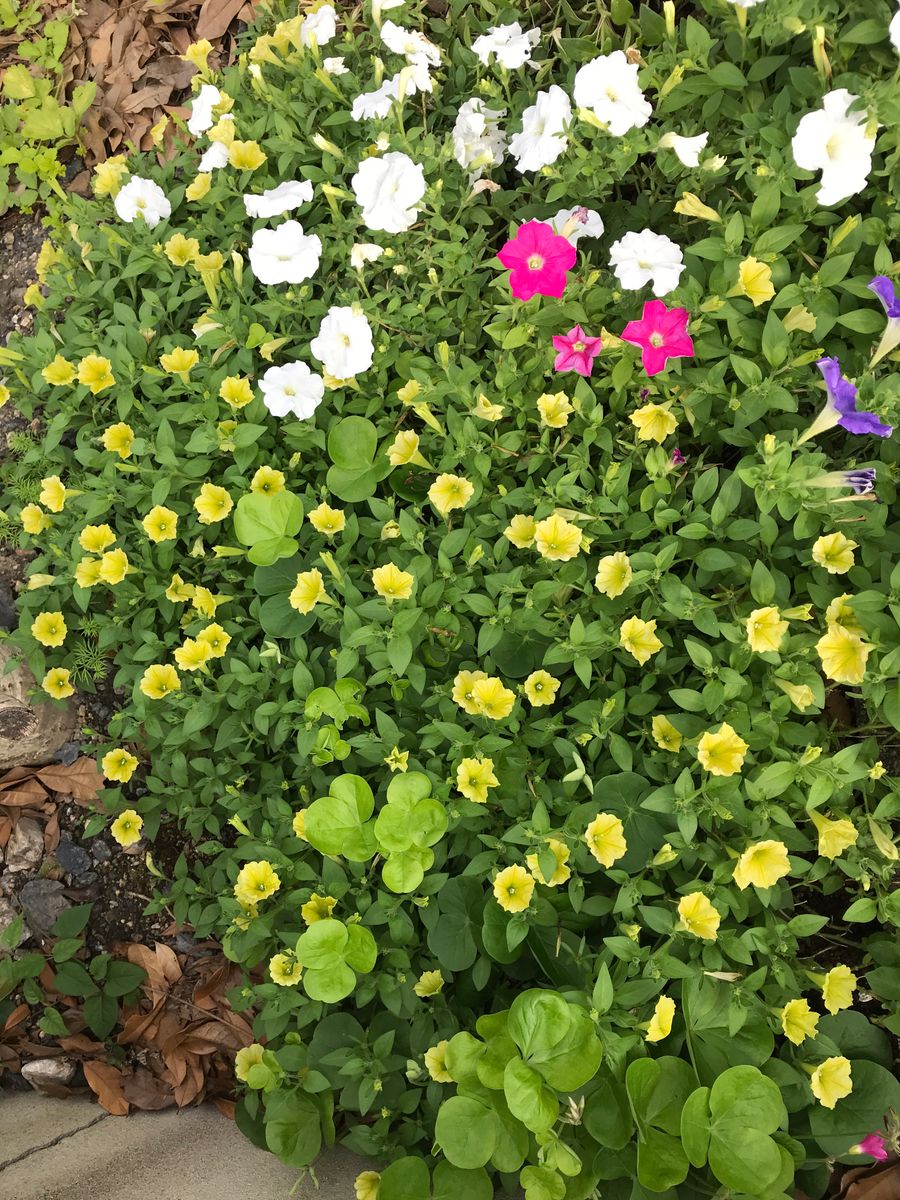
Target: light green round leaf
{"x": 607, "y": 1116}
{"x": 293, "y": 1128}
{"x": 528, "y": 1097}
{"x": 466, "y": 1131}
{"x": 453, "y": 1183}
{"x": 661, "y": 1161}
{"x": 392, "y": 829}
{"x": 361, "y": 951}
{"x": 337, "y": 823}
{"x": 405, "y": 1179}
{"x": 324, "y": 944}
{"x": 744, "y": 1096}
{"x": 695, "y": 1127}
{"x": 264, "y": 518}
{"x": 574, "y": 1061}
{"x": 540, "y": 1183}
{"x": 352, "y": 442}
{"x": 538, "y": 1021}
{"x": 410, "y": 787}
{"x": 744, "y": 1159}
{"x": 404, "y": 872}
{"x": 329, "y": 984}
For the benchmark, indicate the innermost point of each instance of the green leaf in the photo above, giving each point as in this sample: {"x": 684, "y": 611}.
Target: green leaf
{"x": 695, "y": 1127}
{"x": 875, "y": 1090}
{"x": 324, "y": 944}
{"x": 467, "y": 1132}
{"x": 18, "y": 83}
{"x": 71, "y": 979}
{"x": 607, "y": 1116}
{"x": 338, "y": 823}
{"x": 528, "y": 1097}
{"x": 405, "y": 1179}
{"x": 266, "y": 523}
{"x": 453, "y": 1183}
{"x": 293, "y": 1128}
{"x": 540, "y": 1183}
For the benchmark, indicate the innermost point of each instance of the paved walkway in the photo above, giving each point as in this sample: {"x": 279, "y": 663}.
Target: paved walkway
{"x": 73, "y": 1150}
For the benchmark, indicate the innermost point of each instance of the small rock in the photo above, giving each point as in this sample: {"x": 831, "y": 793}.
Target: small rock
{"x": 8, "y": 619}
{"x": 42, "y": 902}
{"x": 67, "y": 753}
{"x": 71, "y": 857}
{"x": 25, "y": 847}
{"x": 100, "y": 851}
{"x": 47, "y": 1074}
{"x": 8, "y": 914}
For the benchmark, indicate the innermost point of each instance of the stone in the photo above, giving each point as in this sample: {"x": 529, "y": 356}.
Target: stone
{"x": 31, "y": 731}
{"x": 73, "y": 859}
{"x": 42, "y": 902}
{"x": 68, "y": 752}
{"x": 8, "y": 914}
{"x": 25, "y": 848}
{"x": 8, "y": 617}
{"x": 47, "y": 1075}
{"x": 100, "y": 851}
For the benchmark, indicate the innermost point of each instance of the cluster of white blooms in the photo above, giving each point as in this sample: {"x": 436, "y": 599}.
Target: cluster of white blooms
{"x": 509, "y": 44}
{"x": 478, "y": 140}
{"x": 838, "y": 143}
{"x": 202, "y": 106}
{"x": 420, "y": 54}
{"x": 543, "y": 137}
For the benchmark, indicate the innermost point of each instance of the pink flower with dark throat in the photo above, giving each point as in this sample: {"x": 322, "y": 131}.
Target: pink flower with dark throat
{"x": 661, "y": 334}
{"x": 576, "y": 350}
{"x": 537, "y": 260}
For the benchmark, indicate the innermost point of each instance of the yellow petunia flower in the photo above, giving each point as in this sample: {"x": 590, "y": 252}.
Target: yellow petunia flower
{"x": 284, "y": 970}
{"x": 245, "y": 156}
{"x": 161, "y": 524}
{"x": 554, "y": 410}
{"x": 308, "y": 591}
{"x": 473, "y": 778}
{"x": 215, "y": 638}
{"x": 159, "y": 681}
{"x": 639, "y": 639}
{"x": 429, "y": 983}
{"x": 832, "y": 1081}
{"x": 513, "y": 889}
{"x": 118, "y": 439}
{"x": 614, "y": 574}
{"x": 722, "y": 752}
{"x": 181, "y": 250}
{"x": 664, "y": 855}
{"x": 267, "y": 481}
{"x": 192, "y": 654}
{"x": 59, "y": 373}
{"x": 49, "y": 628}
{"x": 391, "y": 583}
{"x": 256, "y": 881}
{"x": 199, "y": 188}
{"x": 838, "y": 987}
{"x": 56, "y": 683}
{"x": 236, "y": 391}
{"x": 205, "y": 602}
{"x": 843, "y": 655}
{"x": 34, "y": 519}
{"x": 841, "y": 612}
{"x": 486, "y": 410}
{"x": 179, "y": 361}
{"x": 298, "y": 824}
{"x": 665, "y": 734}
{"x": 493, "y": 699}
{"x": 197, "y": 54}
{"x": 126, "y": 828}
{"x": 521, "y": 531}
{"x": 212, "y": 504}
{"x": 661, "y": 1022}
{"x": 834, "y": 552}
{"x": 95, "y": 372}
{"x": 436, "y": 1063}
{"x": 246, "y": 1058}
{"x": 697, "y": 915}
{"x": 654, "y": 422}
{"x": 87, "y": 572}
{"x": 109, "y": 176}
{"x": 541, "y": 687}
{"x": 178, "y": 591}
{"x": 765, "y": 630}
{"x": 317, "y": 908}
{"x": 327, "y": 520}
{"x": 405, "y": 449}
{"x": 557, "y": 539}
{"x": 605, "y": 837}
{"x": 800, "y": 694}
{"x": 366, "y": 1184}
{"x": 464, "y": 691}
{"x": 762, "y": 865}
{"x": 798, "y": 1021}
{"x": 53, "y": 493}
{"x": 397, "y": 760}
{"x": 449, "y": 492}
{"x": 755, "y": 281}
{"x": 118, "y": 765}
{"x": 561, "y": 872}
{"x": 113, "y": 567}
{"x": 834, "y": 836}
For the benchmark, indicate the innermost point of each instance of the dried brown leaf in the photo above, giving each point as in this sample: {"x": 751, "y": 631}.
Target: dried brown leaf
{"x": 81, "y": 779}
{"x": 216, "y": 16}
{"x": 147, "y": 1091}
{"x": 107, "y": 1084}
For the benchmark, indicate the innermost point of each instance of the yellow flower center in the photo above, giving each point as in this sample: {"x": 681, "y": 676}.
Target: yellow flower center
{"x": 535, "y": 262}
{"x": 579, "y": 346}
{"x": 656, "y": 339}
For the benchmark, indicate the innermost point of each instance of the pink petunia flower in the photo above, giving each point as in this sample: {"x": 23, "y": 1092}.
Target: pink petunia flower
{"x": 537, "y": 260}
{"x": 577, "y": 351}
{"x": 873, "y": 1145}
{"x": 661, "y": 333}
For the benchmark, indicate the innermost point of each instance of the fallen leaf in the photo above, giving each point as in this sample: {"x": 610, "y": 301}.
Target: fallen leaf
{"x": 216, "y": 16}
{"x": 81, "y": 780}
{"x": 108, "y": 1086}
{"x": 147, "y": 1091}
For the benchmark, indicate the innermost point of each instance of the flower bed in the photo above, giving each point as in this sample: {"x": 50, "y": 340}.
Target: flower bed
{"x": 473, "y": 450}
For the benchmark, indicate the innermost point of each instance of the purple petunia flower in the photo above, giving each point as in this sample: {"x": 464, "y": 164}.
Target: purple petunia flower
{"x": 873, "y": 1145}
{"x": 678, "y": 458}
{"x": 862, "y": 481}
{"x": 840, "y": 408}
{"x": 886, "y": 292}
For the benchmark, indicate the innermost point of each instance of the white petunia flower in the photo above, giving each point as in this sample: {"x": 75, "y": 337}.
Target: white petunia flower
{"x": 285, "y": 254}
{"x": 638, "y": 258}
{"x": 293, "y": 388}
{"x": 608, "y": 86}
{"x": 321, "y": 25}
{"x": 343, "y": 344}
{"x": 368, "y": 105}
{"x": 745, "y": 3}
{"x": 543, "y": 137}
{"x": 204, "y": 102}
{"x": 213, "y": 158}
{"x": 334, "y": 66}
{"x": 413, "y": 78}
{"x": 511, "y": 45}
{"x": 388, "y": 191}
{"x": 834, "y": 141}
{"x": 277, "y": 200}
{"x": 478, "y": 140}
{"x": 687, "y": 149}
{"x": 894, "y": 31}
{"x": 364, "y": 252}
{"x": 142, "y": 198}
{"x": 582, "y": 222}
{"x": 412, "y": 44}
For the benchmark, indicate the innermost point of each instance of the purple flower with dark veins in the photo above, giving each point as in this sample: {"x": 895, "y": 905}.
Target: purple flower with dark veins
{"x": 886, "y": 292}
{"x": 860, "y": 479}
{"x": 840, "y": 407}
{"x": 678, "y": 459}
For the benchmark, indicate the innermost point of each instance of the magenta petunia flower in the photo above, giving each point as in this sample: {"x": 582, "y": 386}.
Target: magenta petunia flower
{"x": 661, "y": 333}
{"x": 537, "y": 260}
{"x": 577, "y": 351}
{"x": 873, "y": 1145}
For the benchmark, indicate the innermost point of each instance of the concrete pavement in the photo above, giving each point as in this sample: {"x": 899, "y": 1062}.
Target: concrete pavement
{"x": 73, "y": 1150}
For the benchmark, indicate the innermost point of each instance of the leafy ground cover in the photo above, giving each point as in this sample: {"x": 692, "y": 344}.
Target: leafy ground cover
{"x": 470, "y": 456}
